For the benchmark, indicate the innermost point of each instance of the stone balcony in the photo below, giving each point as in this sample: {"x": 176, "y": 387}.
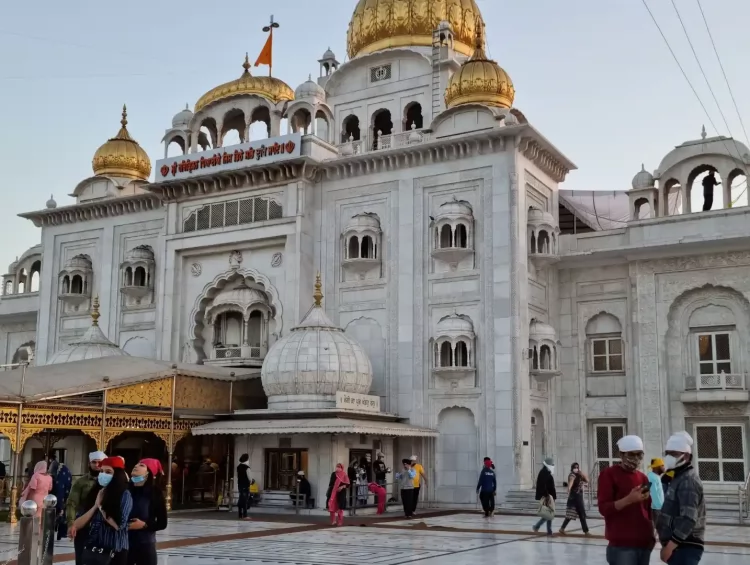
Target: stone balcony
{"x": 236, "y": 356}
{"x": 384, "y": 142}
{"x": 722, "y": 387}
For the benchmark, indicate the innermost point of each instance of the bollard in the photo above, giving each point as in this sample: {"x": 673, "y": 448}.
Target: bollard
{"x": 49, "y": 518}
{"x": 26, "y": 546}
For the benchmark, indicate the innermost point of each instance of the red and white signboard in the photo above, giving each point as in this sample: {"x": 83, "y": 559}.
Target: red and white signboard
{"x": 231, "y": 158}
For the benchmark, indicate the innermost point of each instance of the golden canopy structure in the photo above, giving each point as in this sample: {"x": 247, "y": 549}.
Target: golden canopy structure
{"x": 121, "y": 156}
{"x": 480, "y": 80}
{"x": 271, "y": 88}
{"x": 383, "y": 24}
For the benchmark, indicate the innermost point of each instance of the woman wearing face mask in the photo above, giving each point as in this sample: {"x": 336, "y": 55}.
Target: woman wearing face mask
{"x": 108, "y": 515}
{"x": 576, "y": 509}
{"x": 149, "y": 512}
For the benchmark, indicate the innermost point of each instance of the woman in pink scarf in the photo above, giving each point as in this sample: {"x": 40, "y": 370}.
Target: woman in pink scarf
{"x": 39, "y": 486}
{"x": 337, "y": 495}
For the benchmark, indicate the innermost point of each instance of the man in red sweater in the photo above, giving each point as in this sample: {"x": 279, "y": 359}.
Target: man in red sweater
{"x": 624, "y": 503}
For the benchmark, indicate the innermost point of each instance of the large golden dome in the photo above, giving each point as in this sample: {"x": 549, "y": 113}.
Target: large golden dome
{"x": 480, "y": 81}
{"x": 382, "y": 24}
{"x": 271, "y": 88}
{"x": 121, "y": 156}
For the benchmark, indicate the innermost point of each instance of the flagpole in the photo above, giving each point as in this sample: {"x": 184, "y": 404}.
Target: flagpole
{"x": 269, "y": 29}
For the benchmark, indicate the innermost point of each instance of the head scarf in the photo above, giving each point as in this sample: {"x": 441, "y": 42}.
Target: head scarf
{"x": 573, "y": 466}
{"x": 628, "y": 444}
{"x": 40, "y": 468}
{"x": 153, "y": 465}
{"x": 488, "y": 463}
{"x": 114, "y": 462}
{"x": 341, "y": 474}
{"x": 657, "y": 462}
{"x": 97, "y": 456}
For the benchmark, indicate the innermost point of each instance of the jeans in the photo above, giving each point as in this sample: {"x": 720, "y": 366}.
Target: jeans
{"x": 407, "y": 499}
{"x": 488, "y": 502}
{"x": 539, "y": 525}
{"x": 686, "y": 555}
{"x": 243, "y": 502}
{"x": 628, "y": 555}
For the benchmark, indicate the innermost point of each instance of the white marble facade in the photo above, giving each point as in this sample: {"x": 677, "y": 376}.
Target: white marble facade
{"x": 457, "y": 219}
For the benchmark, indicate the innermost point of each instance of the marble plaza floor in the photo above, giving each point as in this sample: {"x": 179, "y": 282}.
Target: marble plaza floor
{"x": 456, "y": 539}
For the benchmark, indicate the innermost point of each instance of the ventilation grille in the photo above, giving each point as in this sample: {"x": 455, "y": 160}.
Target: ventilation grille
{"x": 233, "y": 213}
{"x": 381, "y": 73}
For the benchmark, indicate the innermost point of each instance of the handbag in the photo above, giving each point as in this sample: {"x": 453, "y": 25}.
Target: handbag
{"x": 546, "y": 508}
{"x": 96, "y": 556}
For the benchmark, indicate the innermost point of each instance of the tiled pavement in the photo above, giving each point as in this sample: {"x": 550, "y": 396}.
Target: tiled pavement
{"x": 458, "y": 539}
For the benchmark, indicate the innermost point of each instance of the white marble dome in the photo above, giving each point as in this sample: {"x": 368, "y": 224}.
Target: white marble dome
{"x": 241, "y": 298}
{"x": 92, "y": 345}
{"x": 309, "y": 89}
{"x": 307, "y": 367}
{"x": 643, "y": 179}
{"x": 364, "y": 221}
{"x": 455, "y": 325}
{"x": 539, "y": 331}
{"x": 182, "y": 118}
{"x": 78, "y": 263}
{"x": 455, "y": 207}
{"x": 140, "y": 253}
{"x": 539, "y": 217}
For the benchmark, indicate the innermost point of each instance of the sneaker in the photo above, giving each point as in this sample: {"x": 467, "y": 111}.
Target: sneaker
{"x": 536, "y": 529}
{"x": 562, "y": 532}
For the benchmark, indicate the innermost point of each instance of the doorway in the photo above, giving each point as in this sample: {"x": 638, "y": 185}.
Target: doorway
{"x": 364, "y": 460}
{"x": 281, "y": 468}
{"x": 537, "y": 443}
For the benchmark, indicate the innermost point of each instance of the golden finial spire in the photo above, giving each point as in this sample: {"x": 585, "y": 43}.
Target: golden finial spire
{"x": 318, "y": 294}
{"x": 479, "y": 53}
{"x": 246, "y": 64}
{"x": 124, "y": 120}
{"x": 95, "y": 312}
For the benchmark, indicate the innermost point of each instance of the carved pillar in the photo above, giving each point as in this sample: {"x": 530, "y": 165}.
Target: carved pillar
{"x": 170, "y": 448}
{"x": 726, "y": 187}
{"x": 685, "y": 192}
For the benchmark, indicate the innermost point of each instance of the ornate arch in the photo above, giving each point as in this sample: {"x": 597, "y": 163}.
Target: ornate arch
{"x": 197, "y": 316}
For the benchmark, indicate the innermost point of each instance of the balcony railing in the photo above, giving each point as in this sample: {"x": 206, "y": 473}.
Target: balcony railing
{"x": 243, "y": 352}
{"x": 384, "y": 142}
{"x": 721, "y": 381}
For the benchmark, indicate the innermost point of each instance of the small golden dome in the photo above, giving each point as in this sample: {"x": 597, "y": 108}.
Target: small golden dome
{"x": 480, "y": 81}
{"x": 271, "y": 88}
{"x": 121, "y": 156}
{"x": 383, "y": 24}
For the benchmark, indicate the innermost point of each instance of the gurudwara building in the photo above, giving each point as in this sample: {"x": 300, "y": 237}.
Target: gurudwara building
{"x": 466, "y": 306}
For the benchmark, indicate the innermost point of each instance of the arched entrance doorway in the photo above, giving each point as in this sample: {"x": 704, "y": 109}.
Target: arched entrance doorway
{"x": 537, "y": 443}
{"x": 134, "y": 446}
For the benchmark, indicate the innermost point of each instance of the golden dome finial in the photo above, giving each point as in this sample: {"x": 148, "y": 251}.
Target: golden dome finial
{"x": 121, "y": 156}
{"x": 95, "y": 312}
{"x": 318, "y": 294}
{"x": 124, "y": 120}
{"x": 246, "y": 64}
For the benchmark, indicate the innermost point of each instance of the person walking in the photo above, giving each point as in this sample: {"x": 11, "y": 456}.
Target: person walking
{"x": 243, "y": 486}
{"x": 61, "y": 489}
{"x": 486, "y": 488}
{"x": 419, "y": 477}
{"x": 682, "y": 522}
{"x": 546, "y": 495}
{"x": 149, "y": 513}
{"x": 657, "y": 488}
{"x": 108, "y": 515}
{"x": 405, "y": 481}
{"x": 623, "y": 497}
{"x": 75, "y": 505}
{"x": 575, "y": 509}
{"x": 337, "y": 495}
{"x": 37, "y": 488}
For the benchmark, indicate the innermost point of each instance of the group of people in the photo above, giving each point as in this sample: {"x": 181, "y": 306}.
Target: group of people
{"x": 109, "y": 513}
{"x": 667, "y": 506}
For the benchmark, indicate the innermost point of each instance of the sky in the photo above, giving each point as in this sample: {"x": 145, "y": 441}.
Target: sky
{"x": 595, "y": 77}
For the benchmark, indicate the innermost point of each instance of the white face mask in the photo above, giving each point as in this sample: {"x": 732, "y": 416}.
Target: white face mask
{"x": 672, "y": 462}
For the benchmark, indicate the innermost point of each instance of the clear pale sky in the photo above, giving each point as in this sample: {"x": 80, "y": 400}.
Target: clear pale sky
{"x": 593, "y": 76}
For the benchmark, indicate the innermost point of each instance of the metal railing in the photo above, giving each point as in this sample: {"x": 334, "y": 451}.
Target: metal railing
{"x": 744, "y": 500}
{"x": 384, "y": 142}
{"x": 360, "y": 500}
{"x": 592, "y": 486}
{"x": 720, "y": 381}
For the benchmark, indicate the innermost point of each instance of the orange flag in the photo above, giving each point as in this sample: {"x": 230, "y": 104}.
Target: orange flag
{"x": 265, "y": 57}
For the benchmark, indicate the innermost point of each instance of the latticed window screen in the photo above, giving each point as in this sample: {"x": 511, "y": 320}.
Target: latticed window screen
{"x": 606, "y": 437}
{"x": 383, "y": 72}
{"x": 606, "y": 355}
{"x": 720, "y": 452}
{"x": 233, "y": 213}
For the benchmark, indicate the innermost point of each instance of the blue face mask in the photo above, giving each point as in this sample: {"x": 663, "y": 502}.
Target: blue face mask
{"x": 136, "y": 480}
{"x": 104, "y": 479}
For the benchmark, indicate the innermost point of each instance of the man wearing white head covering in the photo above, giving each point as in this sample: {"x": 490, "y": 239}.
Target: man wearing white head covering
{"x": 79, "y": 494}
{"x": 682, "y": 524}
{"x": 623, "y": 496}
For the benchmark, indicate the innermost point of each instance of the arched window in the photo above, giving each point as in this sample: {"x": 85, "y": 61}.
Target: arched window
{"x": 209, "y": 132}
{"x": 461, "y": 355}
{"x": 382, "y": 125}
{"x": 545, "y": 361}
{"x": 22, "y": 280}
{"x": 535, "y": 359}
{"x": 8, "y": 288}
{"x": 604, "y": 333}
{"x": 642, "y": 209}
{"x": 301, "y": 121}
{"x": 228, "y": 330}
{"x": 543, "y": 242}
{"x": 368, "y": 248}
{"x": 233, "y": 128}
{"x": 139, "y": 277}
{"x": 255, "y": 326}
{"x": 175, "y": 147}
{"x": 353, "y": 247}
{"x": 350, "y": 129}
{"x": 260, "y": 123}
{"x": 533, "y": 242}
{"x": 36, "y": 267}
{"x": 446, "y": 237}
{"x": 446, "y": 355}
{"x": 129, "y": 276}
{"x": 321, "y": 125}
{"x": 462, "y": 237}
{"x": 66, "y": 284}
{"x": 413, "y": 116}
{"x": 76, "y": 285}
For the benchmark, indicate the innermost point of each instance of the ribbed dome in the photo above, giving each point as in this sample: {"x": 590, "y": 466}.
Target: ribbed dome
{"x": 455, "y": 207}
{"x": 239, "y": 299}
{"x": 270, "y": 88}
{"x": 182, "y": 118}
{"x": 455, "y": 324}
{"x": 643, "y": 179}
{"x": 92, "y": 345}
{"x": 309, "y": 89}
{"x": 314, "y": 362}
{"x": 537, "y": 216}
{"x": 384, "y": 24}
{"x": 364, "y": 220}
{"x": 480, "y": 81}
{"x": 121, "y": 156}
{"x": 539, "y": 331}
